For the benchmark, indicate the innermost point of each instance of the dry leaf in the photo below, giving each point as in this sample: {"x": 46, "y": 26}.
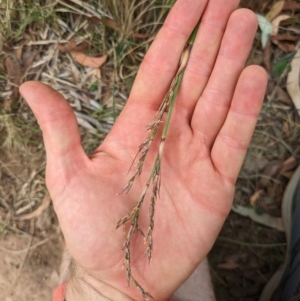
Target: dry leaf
{"x": 112, "y": 24}
{"x": 281, "y": 95}
{"x": 292, "y": 85}
{"x": 141, "y": 35}
{"x": 275, "y": 10}
{"x": 13, "y": 69}
{"x": 230, "y": 265}
{"x": 88, "y": 61}
{"x": 286, "y": 47}
{"x": 288, "y": 174}
{"x": 285, "y": 37}
{"x": 94, "y": 20}
{"x": 291, "y": 5}
{"x": 19, "y": 51}
{"x": 72, "y": 46}
{"x": 14, "y": 72}
{"x": 289, "y": 164}
{"x": 267, "y": 54}
{"x": 272, "y": 168}
{"x": 8, "y": 48}
{"x": 107, "y": 21}
{"x": 254, "y": 198}
{"x": 286, "y": 129}
{"x": 285, "y": 43}
{"x": 275, "y": 23}
{"x": 2, "y": 212}
{"x": 263, "y": 219}
{"x": 28, "y": 59}
{"x": 270, "y": 173}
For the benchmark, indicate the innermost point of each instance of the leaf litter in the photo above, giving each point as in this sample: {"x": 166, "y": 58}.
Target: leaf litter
{"x": 271, "y": 161}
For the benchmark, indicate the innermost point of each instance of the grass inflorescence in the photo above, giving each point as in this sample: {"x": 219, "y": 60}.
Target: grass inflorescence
{"x": 154, "y": 179}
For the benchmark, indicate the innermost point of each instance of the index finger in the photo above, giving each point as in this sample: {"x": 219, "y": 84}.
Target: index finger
{"x": 161, "y": 61}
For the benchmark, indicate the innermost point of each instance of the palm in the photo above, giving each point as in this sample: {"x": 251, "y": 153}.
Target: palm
{"x": 180, "y": 214}
{"x": 211, "y": 126}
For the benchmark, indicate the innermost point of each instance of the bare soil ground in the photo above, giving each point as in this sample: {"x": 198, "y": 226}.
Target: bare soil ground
{"x": 31, "y": 243}
{"x": 29, "y": 275}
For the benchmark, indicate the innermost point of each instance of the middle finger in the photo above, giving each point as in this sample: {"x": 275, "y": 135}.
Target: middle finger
{"x": 203, "y": 56}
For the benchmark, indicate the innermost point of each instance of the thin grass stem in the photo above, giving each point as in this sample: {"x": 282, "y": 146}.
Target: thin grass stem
{"x": 154, "y": 179}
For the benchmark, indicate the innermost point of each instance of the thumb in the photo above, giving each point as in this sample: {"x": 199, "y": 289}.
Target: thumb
{"x": 65, "y": 155}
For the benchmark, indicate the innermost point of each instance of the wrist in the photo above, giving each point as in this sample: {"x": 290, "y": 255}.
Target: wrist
{"x": 83, "y": 287}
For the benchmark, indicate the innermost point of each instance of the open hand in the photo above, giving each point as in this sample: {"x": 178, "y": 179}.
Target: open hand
{"x": 211, "y": 127}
